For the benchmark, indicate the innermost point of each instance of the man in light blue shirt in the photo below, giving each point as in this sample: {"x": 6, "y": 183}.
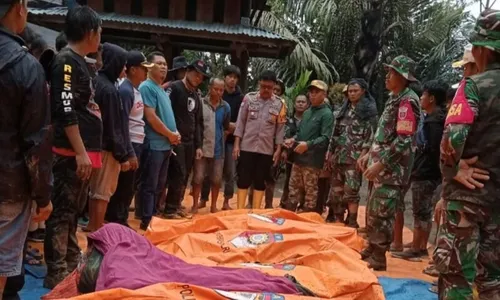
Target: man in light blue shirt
{"x": 161, "y": 135}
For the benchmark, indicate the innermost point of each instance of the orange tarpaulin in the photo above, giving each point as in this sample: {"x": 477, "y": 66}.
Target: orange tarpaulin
{"x": 277, "y": 221}
{"x": 320, "y": 257}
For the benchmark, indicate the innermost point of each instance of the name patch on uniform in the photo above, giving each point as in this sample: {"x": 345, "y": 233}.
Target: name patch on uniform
{"x": 406, "y": 123}
{"x": 460, "y": 111}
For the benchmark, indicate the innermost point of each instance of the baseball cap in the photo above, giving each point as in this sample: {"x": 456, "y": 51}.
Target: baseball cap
{"x": 467, "y": 58}
{"x": 319, "y": 85}
{"x": 136, "y": 58}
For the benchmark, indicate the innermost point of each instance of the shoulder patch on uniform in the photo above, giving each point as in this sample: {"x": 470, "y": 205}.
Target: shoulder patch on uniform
{"x": 460, "y": 111}
{"x": 406, "y": 123}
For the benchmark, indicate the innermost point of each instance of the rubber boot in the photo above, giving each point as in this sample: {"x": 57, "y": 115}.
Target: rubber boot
{"x": 340, "y": 218}
{"x": 257, "y": 199}
{"x": 330, "y": 218}
{"x": 241, "y": 194}
{"x": 367, "y": 252}
{"x": 377, "y": 261}
{"x": 352, "y": 221}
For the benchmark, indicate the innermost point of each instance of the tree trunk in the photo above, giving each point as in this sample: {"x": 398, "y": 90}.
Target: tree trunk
{"x": 369, "y": 46}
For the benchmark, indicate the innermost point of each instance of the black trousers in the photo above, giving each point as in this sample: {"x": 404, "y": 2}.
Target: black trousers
{"x": 119, "y": 203}
{"x": 69, "y": 197}
{"x": 179, "y": 169}
{"x": 253, "y": 169}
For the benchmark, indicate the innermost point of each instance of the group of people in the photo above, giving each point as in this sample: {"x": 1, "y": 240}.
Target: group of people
{"x": 93, "y": 126}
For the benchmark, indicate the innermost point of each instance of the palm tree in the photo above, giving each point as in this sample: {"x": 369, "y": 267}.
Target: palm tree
{"x": 295, "y": 24}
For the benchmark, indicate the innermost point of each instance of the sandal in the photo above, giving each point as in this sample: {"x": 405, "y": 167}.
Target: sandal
{"x": 433, "y": 289}
{"x": 431, "y": 271}
{"x": 29, "y": 260}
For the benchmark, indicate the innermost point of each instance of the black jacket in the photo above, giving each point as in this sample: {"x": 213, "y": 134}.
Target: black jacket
{"x": 115, "y": 135}
{"x": 25, "y": 141}
{"x": 426, "y": 165}
{"x": 71, "y": 92}
{"x": 188, "y": 113}
{"x": 234, "y": 100}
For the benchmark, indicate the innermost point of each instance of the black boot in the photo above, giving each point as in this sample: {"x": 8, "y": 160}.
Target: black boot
{"x": 330, "y": 218}
{"x": 377, "y": 261}
{"x": 352, "y": 220}
{"x": 366, "y": 253}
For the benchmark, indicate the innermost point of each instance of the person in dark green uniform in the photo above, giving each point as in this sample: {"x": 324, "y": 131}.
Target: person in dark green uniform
{"x": 309, "y": 147}
{"x": 351, "y": 139}
{"x": 390, "y": 158}
{"x": 468, "y": 247}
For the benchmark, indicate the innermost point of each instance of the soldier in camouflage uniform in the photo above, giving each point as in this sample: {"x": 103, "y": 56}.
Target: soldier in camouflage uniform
{"x": 291, "y": 127}
{"x": 351, "y": 139}
{"x": 390, "y": 159}
{"x": 309, "y": 147}
{"x": 468, "y": 247}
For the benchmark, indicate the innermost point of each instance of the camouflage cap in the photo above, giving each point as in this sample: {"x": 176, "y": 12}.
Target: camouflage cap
{"x": 404, "y": 66}
{"x": 487, "y": 30}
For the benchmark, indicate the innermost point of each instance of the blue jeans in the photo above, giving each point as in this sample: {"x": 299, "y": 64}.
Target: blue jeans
{"x": 153, "y": 180}
{"x": 229, "y": 175}
{"x": 15, "y": 219}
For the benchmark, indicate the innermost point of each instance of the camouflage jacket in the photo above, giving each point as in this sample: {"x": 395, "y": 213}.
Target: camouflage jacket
{"x": 394, "y": 143}
{"x": 353, "y": 131}
{"x": 291, "y": 127}
{"x": 472, "y": 126}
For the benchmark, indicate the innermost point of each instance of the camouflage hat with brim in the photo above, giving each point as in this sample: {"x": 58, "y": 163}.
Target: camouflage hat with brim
{"x": 487, "y": 30}
{"x": 404, "y": 65}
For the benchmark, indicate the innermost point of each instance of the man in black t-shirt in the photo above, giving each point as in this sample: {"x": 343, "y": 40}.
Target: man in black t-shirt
{"x": 186, "y": 105}
{"x": 77, "y": 147}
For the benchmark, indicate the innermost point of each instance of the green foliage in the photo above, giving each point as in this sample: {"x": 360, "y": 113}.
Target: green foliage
{"x": 300, "y": 88}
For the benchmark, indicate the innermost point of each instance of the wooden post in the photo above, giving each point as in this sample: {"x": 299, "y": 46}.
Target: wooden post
{"x": 123, "y": 7}
{"x": 240, "y": 58}
{"x": 205, "y": 11}
{"x": 150, "y": 8}
{"x": 97, "y": 5}
{"x": 177, "y": 10}
{"x": 232, "y": 12}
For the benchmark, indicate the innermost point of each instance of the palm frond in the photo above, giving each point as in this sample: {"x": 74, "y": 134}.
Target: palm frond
{"x": 304, "y": 57}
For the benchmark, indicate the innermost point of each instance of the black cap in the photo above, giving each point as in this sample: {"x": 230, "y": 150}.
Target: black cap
{"x": 136, "y": 59}
{"x": 179, "y": 62}
{"x": 201, "y": 67}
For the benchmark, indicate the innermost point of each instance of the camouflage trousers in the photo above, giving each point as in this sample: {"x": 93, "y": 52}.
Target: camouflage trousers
{"x": 382, "y": 207}
{"x": 468, "y": 252}
{"x": 400, "y": 205}
{"x": 303, "y": 185}
{"x": 422, "y": 192}
{"x": 345, "y": 185}
{"x": 69, "y": 197}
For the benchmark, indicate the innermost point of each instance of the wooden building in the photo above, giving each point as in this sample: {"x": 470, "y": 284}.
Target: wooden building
{"x": 222, "y": 26}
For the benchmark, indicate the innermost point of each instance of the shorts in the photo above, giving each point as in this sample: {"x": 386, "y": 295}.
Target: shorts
{"x": 15, "y": 220}
{"x": 210, "y": 167}
{"x": 104, "y": 181}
